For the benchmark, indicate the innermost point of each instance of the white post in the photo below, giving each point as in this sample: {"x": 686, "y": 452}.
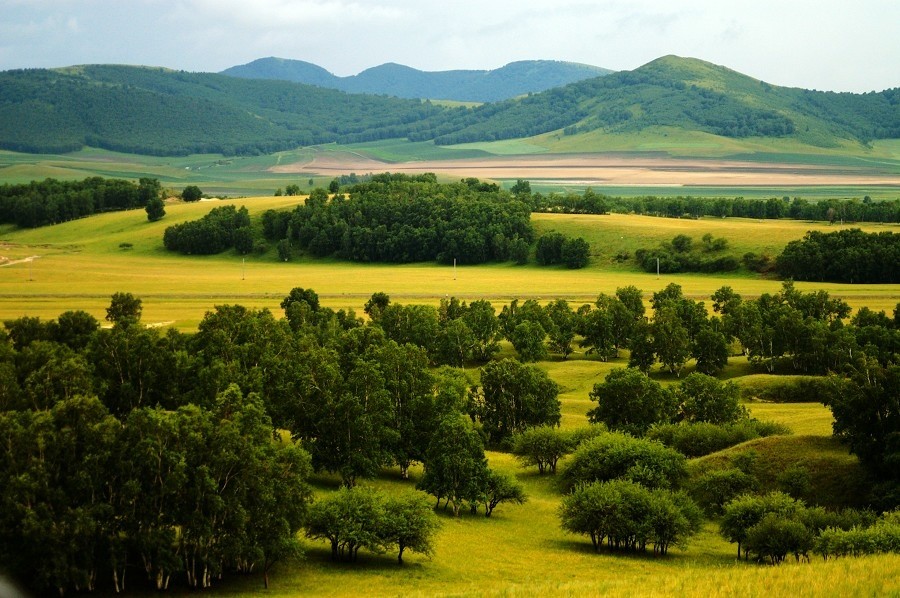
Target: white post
{"x": 454, "y": 268}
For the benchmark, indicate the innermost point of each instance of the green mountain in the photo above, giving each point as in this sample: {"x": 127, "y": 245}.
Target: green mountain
{"x": 509, "y": 81}
{"x": 162, "y": 112}
{"x": 692, "y": 95}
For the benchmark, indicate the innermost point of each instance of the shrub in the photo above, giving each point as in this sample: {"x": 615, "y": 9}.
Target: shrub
{"x": 628, "y": 516}
{"x": 703, "y": 438}
{"x": 615, "y": 455}
{"x": 716, "y": 488}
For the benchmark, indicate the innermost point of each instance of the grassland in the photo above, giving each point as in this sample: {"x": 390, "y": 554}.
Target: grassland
{"x": 78, "y": 265}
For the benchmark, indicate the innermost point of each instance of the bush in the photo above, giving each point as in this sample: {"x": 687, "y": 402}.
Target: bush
{"x": 629, "y": 400}
{"x": 784, "y": 389}
{"x": 615, "y": 455}
{"x": 628, "y": 516}
{"x": 716, "y": 488}
{"x": 703, "y": 438}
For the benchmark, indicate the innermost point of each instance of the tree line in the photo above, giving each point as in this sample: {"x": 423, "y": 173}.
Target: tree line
{"x": 797, "y": 208}
{"x": 40, "y": 203}
{"x": 851, "y": 256}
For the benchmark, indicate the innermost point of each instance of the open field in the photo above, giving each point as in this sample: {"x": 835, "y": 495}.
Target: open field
{"x": 629, "y": 167}
{"x": 78, "y": 265}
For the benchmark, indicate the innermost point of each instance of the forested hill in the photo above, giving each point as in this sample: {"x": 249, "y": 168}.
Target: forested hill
{"x": 509, "y": 81}
{"x": 161, "y": 112}
{"x": 692, "y": 95}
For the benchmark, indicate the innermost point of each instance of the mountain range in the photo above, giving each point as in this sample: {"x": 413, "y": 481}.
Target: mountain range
{"x": 509, "y": 81}
{"x": 156, "y": 111}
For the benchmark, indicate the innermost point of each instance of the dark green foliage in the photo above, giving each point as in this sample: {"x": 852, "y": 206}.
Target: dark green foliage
{"x": 703, "y": 438}
{"x": 455, "y": 467}
{"x": 191, "y": 193}
{"x": 842, "y": 256}
{"x": 714, "y": 489}
{"x": 702, "y": 398}
{"x": 555, "y": 248}
{"x": 124, "y": 309}
{"x": 222, "y": 228}
{"x": 866, "y": 408}
{"x": 615, "y": 455}
{"x": 400, "y": 218}
{"x": 515, "y": 397}
{"x": 881, "y": 537}
{"x": 627, "y": 516}
{"x": 51, "y": 201}
{"x": 527, "y": 339}
{"x": 682, "y": 255}
{"x": 628, "y": 400}
{"x": 543, "y": 446}
{"x": 156, "y": 209}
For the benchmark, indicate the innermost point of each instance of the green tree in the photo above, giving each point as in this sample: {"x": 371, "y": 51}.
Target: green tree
{"x": 702, "y": 398}
{"x": 156, "y": 209}
{"x": 124, "y": 310}
{"x": 628, "y": 400}
{"x": 528, "y": 340}
{"x": 563, "y": 324}
{"x": 542, "y": 446}
{"x": 409, "y": 523}
{"x": 292, "y": 189}
{"x": 575, "y": 253}
{"x": 191, "y": 193}
{"x": 455, "y": 466}
{"x": 499, "y": 488}
{"x": 616, "y": 455}
{"x": 485, "y": 326}
{"x": 349, "y": 519}
{"x": 671, "y": 341}
{"x": 516, "y": 397}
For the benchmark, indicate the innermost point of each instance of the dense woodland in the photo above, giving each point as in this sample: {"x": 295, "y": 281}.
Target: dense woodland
{"x": 50, "y": 201}
{"x": 321, "y": 391}
{"x": 223, "y": 228}
{"x": 156, "y": 111}
{"x": 401, "y": 218}
{"x": 842, "y": 256}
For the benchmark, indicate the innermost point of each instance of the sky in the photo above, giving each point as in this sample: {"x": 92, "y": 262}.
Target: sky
{"x": 836, "y": 45}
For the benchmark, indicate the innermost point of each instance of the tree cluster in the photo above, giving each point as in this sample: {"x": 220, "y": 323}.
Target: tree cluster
{"x": 402, "y": 218}
{"x": 360, "y": 517}
{"x": 842, "y": 256}
{"x": 222, "y": 228}
{"x": 50, "y": 201}
{"x": 555, "y": 248}
{"x": 194, "y": 492}
{"x": 681, "y": 254}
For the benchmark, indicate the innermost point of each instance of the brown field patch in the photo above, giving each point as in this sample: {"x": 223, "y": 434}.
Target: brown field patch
{"x": 602, "y": 169}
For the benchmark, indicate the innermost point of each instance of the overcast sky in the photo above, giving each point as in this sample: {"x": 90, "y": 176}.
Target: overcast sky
{"x": 840, "y": 45}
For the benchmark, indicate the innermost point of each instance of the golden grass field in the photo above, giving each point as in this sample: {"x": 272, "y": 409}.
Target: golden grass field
{"x": 79, "y": 264}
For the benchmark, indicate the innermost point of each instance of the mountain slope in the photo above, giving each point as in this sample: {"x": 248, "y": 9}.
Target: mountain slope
{"x": 163, "y": 112}
{"x": 688, "y": 94}
{"x": 509, "y": 81}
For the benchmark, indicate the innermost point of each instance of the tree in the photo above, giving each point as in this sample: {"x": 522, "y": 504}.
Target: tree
{"x": 409, "y": 523}
{"x": 455, "y": 467}
{"x": 670, "y": 339}
{"x": 702, "y": 398}
{"x": 575, "y": 253}
{"x": 528, "y": 340}
{"x": 627, "y": 516}
{"x": 485, "y": 326}
{"x": 455, "y": 343}
{"x": 543, "y": 446}
{"x": 349, "y": 519}
{"x": 628, "y": 400}
{"x": 124, "y": 310}
{"x": 156, "y": 209}
{"x": 516, "y": 397}
{"x": 191, "y": 193}
{"x": 521, "y": 187}
{"x": 743, "y": 513}
{"x": 498, "y": 488}
{"x": 563, "y": 324}
{"x": 292, "y": 189}
{"x": 710, "y": 349}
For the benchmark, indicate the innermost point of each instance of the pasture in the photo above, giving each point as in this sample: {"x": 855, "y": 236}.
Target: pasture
{"x": 79, "y": 264}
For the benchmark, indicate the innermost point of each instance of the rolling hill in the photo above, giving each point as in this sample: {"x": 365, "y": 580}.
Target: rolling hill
{"x": 162, "y": 112}
{"x": 509, "y": 81}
